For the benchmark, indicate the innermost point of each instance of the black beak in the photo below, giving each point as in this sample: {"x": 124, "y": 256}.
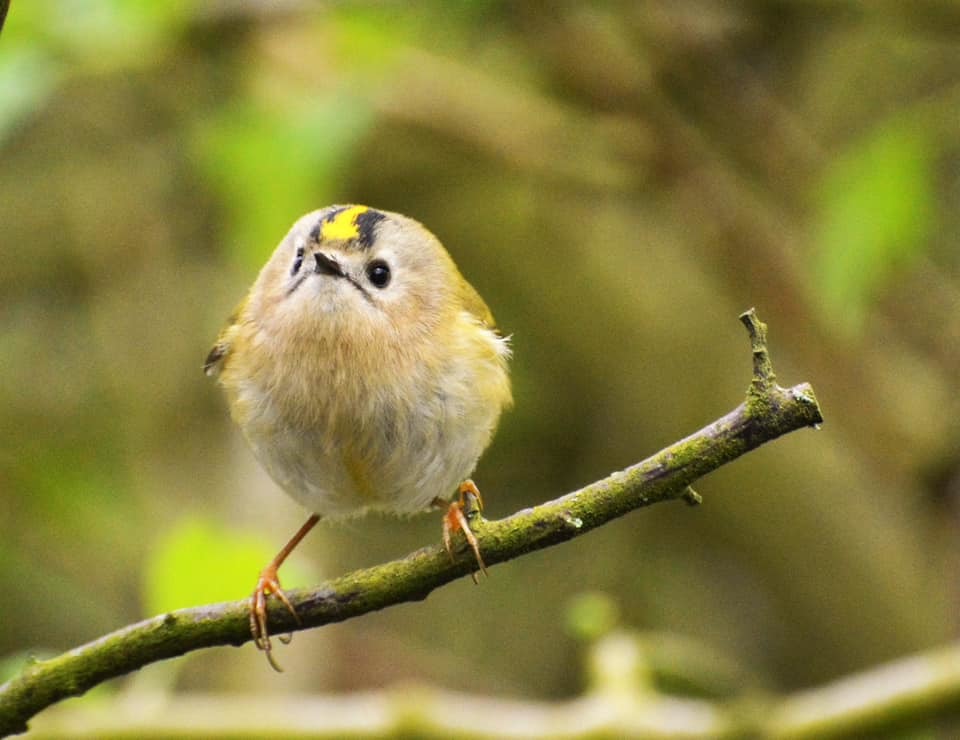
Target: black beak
{"x": 327, "y": 265}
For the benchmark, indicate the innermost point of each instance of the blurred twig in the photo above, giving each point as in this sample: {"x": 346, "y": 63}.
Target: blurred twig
{"x": 769, "y": 412}
{"x": 619, "y": 702}
{"x": 917, "y": 690}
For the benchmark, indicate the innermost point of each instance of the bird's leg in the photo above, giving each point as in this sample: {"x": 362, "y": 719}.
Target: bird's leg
{"x": 269, "y": 583}
{"x": 468, "y": 500}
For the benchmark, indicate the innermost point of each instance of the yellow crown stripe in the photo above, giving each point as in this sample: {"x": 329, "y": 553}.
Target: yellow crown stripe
{"x": 343, "y": 225}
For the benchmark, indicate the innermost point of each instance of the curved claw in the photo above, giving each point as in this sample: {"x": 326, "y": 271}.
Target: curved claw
{"x": 455, "y": 520}
{"x": 268, "y": 583}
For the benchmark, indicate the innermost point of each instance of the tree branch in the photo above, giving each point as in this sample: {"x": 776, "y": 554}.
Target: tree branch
{"x": 769, "y": 412}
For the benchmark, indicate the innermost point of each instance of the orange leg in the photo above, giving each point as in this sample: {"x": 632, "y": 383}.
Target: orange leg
{"x": 269, "y": 583}
{"x": 455, "y": 519}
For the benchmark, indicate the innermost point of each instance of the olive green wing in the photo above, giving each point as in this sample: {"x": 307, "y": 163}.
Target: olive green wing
{"x": 475, "y": 305}
{"x": 221, "y": 348}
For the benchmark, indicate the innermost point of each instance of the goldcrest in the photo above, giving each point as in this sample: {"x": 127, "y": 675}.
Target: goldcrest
{"x": 365, "y": 372}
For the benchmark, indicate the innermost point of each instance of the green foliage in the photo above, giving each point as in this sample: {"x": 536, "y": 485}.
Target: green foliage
{"x": 199, "y": 562}
{"x": 875, "y": 213}
{"x": 590, "y": 615}
{"x": 26, "y": 79}
{"x": 45, "y": 42}
{"x": 266, "y": 162}
{"x": 98, "y": 34}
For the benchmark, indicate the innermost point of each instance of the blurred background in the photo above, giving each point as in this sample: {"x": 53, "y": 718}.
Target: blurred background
{"x": 619, "y": 180}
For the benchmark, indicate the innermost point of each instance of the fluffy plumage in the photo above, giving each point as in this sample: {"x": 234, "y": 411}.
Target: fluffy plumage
{"x": 358, "y": 397}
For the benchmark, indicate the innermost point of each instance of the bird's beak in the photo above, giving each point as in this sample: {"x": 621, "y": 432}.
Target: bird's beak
{"x": 327, "y": 265}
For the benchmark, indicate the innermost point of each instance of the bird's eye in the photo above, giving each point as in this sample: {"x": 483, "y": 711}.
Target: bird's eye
{"x": 297, "y": 261}
{"x": 378, "y": 273}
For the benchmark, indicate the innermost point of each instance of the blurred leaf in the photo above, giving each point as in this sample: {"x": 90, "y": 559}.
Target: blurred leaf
{"x": 45, "y": 41}
{"x": 271, "y": 166}
{"x": 106, "y": 33}
{"x": 199, "y": 562}
{"x": 876, "y": 203}
{"x": 27, "y": 77}
{"x": 24, "y": 85}
{"x": 371, "y": 34}
{"x": 591, "y": 615}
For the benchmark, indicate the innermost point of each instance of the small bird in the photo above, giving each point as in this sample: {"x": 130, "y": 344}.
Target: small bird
{"x": 365, "y": 373}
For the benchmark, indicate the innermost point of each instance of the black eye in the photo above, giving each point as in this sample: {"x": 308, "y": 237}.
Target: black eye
{"x": 378, "y": 273}
{"x": 297, "y": 261}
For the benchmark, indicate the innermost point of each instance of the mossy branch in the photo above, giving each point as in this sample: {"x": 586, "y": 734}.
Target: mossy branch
{"x": 769, "y": 412}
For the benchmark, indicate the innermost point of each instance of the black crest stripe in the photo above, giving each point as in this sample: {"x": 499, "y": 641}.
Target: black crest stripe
{"x": 366, "y": 223}
{"x": 325, "y": 219}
